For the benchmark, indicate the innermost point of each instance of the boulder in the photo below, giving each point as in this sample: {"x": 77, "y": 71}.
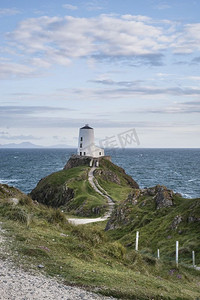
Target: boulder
{"x": 163, "y": 197}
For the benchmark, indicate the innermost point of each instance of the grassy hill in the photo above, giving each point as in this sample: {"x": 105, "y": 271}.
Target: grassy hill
{"x": 90, "y": 257}
{"x": 71, "y": 190}
{"x": 159, "y": 227}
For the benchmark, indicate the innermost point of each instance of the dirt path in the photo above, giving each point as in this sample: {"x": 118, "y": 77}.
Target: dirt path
{"x": 16, "y": 284}
{"x": 102, "y": 192}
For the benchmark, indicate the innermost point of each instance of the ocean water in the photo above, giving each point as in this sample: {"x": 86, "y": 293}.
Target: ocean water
{"x": 178, "y": 169}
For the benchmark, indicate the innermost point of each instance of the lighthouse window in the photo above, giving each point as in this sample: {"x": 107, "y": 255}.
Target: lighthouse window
{"x": 99, "y": 153}
{"x": 81, "y": 139}
{"x": 80, "y": 153}
{"x": 84, "y": 153}
{"x": 81, "y": 145}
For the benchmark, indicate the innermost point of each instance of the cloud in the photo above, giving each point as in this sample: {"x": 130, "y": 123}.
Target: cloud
{"x": 188, "y": 40}
{"x": 189, "y": 107}
{"x": 11, "y": 111}
{"x": 162, "y": 6}
{"x": 131, "y": 88}
{"x": 9, "y": 11}
{"x": 51, "y": 40}
{"x": 70, "y": 7}
{"x": 132, "y": 40}
{"x": 16, "y": 70}
{"x": 93, "y": 5}
{"x": 19, "y": 137}
{"x": 196, "y": 60}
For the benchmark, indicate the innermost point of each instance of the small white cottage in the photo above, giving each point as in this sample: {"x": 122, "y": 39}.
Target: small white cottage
{"x": 86, "y": 145}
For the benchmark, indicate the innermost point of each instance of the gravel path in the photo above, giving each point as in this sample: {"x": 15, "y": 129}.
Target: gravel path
{"x": 16, "y": 284}
{"x": 98, "y": 189}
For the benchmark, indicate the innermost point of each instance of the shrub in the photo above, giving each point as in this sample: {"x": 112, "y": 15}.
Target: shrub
{"x": 17, "y": 214}
{"x": 115, "y": 250}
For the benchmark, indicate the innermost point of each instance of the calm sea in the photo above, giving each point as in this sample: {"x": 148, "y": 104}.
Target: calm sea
{"x": 178, "y": 169}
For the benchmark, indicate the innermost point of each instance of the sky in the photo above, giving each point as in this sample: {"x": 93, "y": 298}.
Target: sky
{"x": 115, "y": 65}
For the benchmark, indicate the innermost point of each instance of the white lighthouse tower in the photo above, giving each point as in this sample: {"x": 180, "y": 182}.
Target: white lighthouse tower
{"x": 86, "y": 145}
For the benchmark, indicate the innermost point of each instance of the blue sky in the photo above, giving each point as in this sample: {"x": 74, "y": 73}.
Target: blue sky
{"x": 116, "y": 65}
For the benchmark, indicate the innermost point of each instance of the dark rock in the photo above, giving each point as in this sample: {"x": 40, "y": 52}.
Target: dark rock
{"x": 163, "y": 197}
{"x": 76, "y": 161}
{"x": 193, "y": 219}
{"x": 177, "y": 220}
{"x": 51, "y": 195}
{"x": 113, "y": 173}
{"x": 108, "y": 175}
{"x": 133, "y": 197}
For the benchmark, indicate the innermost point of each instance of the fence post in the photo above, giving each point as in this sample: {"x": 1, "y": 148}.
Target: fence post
{"x": 193, "y": 258}
{"x": 177, "y": 244}
{"x": 158, "y": 254}
{"x": 136, "y": 242}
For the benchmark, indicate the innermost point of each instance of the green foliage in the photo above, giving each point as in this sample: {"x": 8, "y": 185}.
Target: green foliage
{"x": 158, "y": 228}
{"x": 16, "y": 213}
{"x": 86, "y": 255}
{"x": 115, "y": 250}
{"x": 70, "y": 190}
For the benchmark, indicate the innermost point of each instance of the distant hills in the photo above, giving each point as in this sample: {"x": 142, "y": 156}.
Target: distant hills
{"x": 28, "y": 145}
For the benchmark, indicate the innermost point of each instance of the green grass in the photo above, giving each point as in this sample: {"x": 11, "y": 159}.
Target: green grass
{"x": 156, "y": 231}
{"x": 118, "y": 192}
{"x": 87, "y": 256}
{"x": 86, "y": 201}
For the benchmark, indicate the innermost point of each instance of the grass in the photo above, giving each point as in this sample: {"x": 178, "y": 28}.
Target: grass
{"x": 85, "y": 201}
{"x": 156, "y": 228}
{"x": 117, "y": 191}
{"x": 87, "y": 256}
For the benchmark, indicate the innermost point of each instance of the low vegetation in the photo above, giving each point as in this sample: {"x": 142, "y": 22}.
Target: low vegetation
{"x": 71, "y": 191}
{"x": 88, "y": 256}
{"x": 159, "y": 228}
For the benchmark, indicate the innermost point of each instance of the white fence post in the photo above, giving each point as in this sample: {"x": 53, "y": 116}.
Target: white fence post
{"x": 158, "y": 254}
{"x": 177, "y": 244}
{"x": 136, "y": 242}
{"x": 193, "y": 258}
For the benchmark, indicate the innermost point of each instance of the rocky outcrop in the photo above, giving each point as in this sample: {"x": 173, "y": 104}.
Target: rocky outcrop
{"x": 113, "y": 173}
{"x": 157, "y": 197}
{"x": 51, "y": 195}
{"x": 12, "y": 194}
{"x": 177, "y": 220}
{"x": 163, "y": 197}
{"x": 76, "y": 161}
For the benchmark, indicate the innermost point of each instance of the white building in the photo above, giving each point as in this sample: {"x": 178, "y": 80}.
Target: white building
{"x": 86, "y": 145}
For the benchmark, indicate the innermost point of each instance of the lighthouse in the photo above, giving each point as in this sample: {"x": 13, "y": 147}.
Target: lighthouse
{"x": 86, "y": 145}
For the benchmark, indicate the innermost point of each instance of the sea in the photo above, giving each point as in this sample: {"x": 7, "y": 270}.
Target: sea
{"x": 177, "y": 169}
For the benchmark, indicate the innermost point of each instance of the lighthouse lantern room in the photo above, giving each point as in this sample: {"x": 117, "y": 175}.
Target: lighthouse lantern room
{"x": 86, "y": 145}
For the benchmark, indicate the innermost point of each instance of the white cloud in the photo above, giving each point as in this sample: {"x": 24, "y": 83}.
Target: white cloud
{"x": 162, "y": 6}
{"x": 70, "y": 7}
{"x": 9, "y": 11}
{"x": 188, "y": 40}
{"x": 59, "y": 40}
{"x": 13, "y": 70}
{"x": 134, "y": 40}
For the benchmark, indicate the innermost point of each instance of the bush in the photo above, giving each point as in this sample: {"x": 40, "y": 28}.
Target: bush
{"x": 115, "y": 250}
{"x": 17, "y": 214}
{"x": 93, "y": 236}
